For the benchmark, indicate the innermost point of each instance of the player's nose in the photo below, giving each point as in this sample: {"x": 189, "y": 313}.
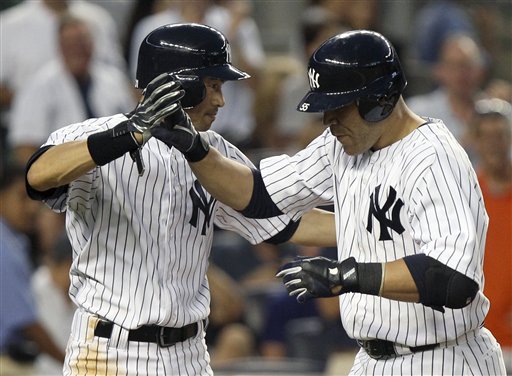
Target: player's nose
{"x": 330, "y": 119}
{"x": 218, "y": 99}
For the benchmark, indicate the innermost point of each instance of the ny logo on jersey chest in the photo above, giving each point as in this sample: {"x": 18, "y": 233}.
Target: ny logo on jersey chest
{"x": 200, "y": 203}
{"x": 391, "y": 206}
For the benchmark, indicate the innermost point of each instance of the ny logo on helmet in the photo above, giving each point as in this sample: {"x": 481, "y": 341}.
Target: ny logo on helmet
{"x": 313, "y": 78}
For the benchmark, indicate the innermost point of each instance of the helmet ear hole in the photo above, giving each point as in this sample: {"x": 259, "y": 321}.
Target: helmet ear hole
{"x": 377, "y": 109}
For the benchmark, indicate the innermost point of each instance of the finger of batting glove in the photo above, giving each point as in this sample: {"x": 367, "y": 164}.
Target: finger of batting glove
{"x": 175, "y": 134}
{"x": 289, "y": 268}
{"x": 157, "y": 82}
{"x": 303, "y": 295}
{"x": 163, "y": 113}
{"x": 168, "y": 93}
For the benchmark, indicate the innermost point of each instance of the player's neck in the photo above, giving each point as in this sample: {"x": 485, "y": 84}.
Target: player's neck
{"x": 399, "y": 125}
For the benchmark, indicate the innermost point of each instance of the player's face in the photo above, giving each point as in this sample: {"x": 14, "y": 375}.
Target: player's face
{"x": 204, "y": 113}
{"x": 355, "y": 134}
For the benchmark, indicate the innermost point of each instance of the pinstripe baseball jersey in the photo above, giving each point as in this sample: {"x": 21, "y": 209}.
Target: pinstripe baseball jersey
{"x": 141, "y": 245}
{"x": 418, "y": 195}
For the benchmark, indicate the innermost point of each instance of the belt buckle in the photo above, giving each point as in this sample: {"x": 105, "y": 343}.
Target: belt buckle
{"x": 377, "y": 349}
{"x": 161, "y": 338}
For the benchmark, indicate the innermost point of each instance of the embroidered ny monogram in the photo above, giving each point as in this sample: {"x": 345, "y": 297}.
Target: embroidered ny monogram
{"x": 200, "y": 203}
{"x": 380, "y": 214}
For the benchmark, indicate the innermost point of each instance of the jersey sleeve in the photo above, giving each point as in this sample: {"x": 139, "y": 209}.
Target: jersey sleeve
{"x": 448, "y": 217}
{"x": 83, "y": 186}
{"x": 304, "y": 181}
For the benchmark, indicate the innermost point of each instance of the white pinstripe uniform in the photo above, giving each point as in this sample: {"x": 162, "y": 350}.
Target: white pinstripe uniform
{"x": 141, "y": 248}
{"x": 437, "y": 210}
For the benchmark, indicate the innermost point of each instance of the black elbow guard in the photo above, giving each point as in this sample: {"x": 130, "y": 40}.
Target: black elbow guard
{"x": 439, "y": 285}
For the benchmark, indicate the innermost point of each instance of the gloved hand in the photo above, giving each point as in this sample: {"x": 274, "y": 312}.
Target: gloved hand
{"x": 178, "y": 131}
{"x": 316, "y": 277}
{"x": 160, "y": 98}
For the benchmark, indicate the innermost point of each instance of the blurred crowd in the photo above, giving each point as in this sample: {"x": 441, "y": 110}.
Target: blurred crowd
{"x": 62, "y": 61}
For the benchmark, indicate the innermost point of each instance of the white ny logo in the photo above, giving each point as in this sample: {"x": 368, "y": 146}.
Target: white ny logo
{"x": 313, "y": 79}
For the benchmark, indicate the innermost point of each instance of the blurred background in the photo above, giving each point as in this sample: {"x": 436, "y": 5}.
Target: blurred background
{"x": 65, "y": 61}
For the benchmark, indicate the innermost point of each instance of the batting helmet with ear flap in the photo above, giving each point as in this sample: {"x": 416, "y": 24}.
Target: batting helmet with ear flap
{"x": 358, "y": 67}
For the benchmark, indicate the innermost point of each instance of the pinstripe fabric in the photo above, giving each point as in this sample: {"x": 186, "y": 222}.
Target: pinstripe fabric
{"x": 478, "y": 354}
{"x": 440, "y": 213}
{"x": 141, "y": 245}
{"x": 90, "y": 355}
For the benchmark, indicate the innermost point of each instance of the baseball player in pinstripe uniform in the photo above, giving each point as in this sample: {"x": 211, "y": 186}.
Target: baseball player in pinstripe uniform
{"x": 410, "y": 218}
{"x": 141, "y": 236}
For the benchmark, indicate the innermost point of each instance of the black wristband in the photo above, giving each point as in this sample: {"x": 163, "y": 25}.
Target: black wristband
{"x": 199, "y": 149}
{"x": 109, "y": 145}
{"x": 370, "y": 278}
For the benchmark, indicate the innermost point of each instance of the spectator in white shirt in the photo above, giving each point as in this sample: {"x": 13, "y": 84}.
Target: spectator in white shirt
{"x": 67, "y": 90}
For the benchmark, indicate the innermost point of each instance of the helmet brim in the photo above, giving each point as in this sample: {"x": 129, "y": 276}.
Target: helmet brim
{"x": 322, "y": 102}
{"x": 225, "y": 72}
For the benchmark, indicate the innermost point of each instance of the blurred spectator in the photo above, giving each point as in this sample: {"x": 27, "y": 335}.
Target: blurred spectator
{"x": 140, "y": 10}
{"x": 361, "y": 14}
{"x": 293, "y": 128}
{"x": 50, "y": 284}
{"x": 435, "y": 22}
{"x": 235, "y": 121}
{"x": 499, "y": 88}
{"x": 28, "y": 38}
{"x": 19, "y": 325}
{"x": 227, "y": 337}
{"x": 459, "y": 72}
{"x": 493, "y": 135}
{"x": 67, "y": 90}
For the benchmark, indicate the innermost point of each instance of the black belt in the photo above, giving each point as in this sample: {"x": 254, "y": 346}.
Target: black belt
{"x": 381, "y": 349}
{"x": 162, "y": 335}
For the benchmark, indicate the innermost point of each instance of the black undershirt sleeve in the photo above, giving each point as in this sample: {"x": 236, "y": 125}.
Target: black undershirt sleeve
{"x": 260, "y": 205}
{"x": 285, "y": 234}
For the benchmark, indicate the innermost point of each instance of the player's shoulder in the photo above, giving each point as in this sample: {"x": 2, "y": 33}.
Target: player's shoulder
{"x": 438, "y": 147}
{"x": 217, "y": 141}
{"x": 225, "y": 147}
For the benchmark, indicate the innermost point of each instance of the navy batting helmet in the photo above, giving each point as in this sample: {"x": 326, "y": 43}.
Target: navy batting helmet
{"x": 186, "y": 48}
{"x": 359, "y": 67}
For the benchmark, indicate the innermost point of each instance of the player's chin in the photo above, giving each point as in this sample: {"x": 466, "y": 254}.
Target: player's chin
{"x": 204, "y": 124}
{"x": 351, "y": 149}
{"x": 208, "y": 120}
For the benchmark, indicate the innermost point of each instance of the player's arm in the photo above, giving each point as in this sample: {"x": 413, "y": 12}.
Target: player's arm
{"x": 316, "y": 228}
{"x": 229, "y": 181}
{"x": 59, "y": 165}
{"x": 418, "y": 278}
{"x": 56, "y": 166}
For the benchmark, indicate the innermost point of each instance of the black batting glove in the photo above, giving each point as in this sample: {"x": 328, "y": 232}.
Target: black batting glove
{"x": 319, "y": 277}
{"x": 178, "y": 131}
{"x": 160, "y": 99}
